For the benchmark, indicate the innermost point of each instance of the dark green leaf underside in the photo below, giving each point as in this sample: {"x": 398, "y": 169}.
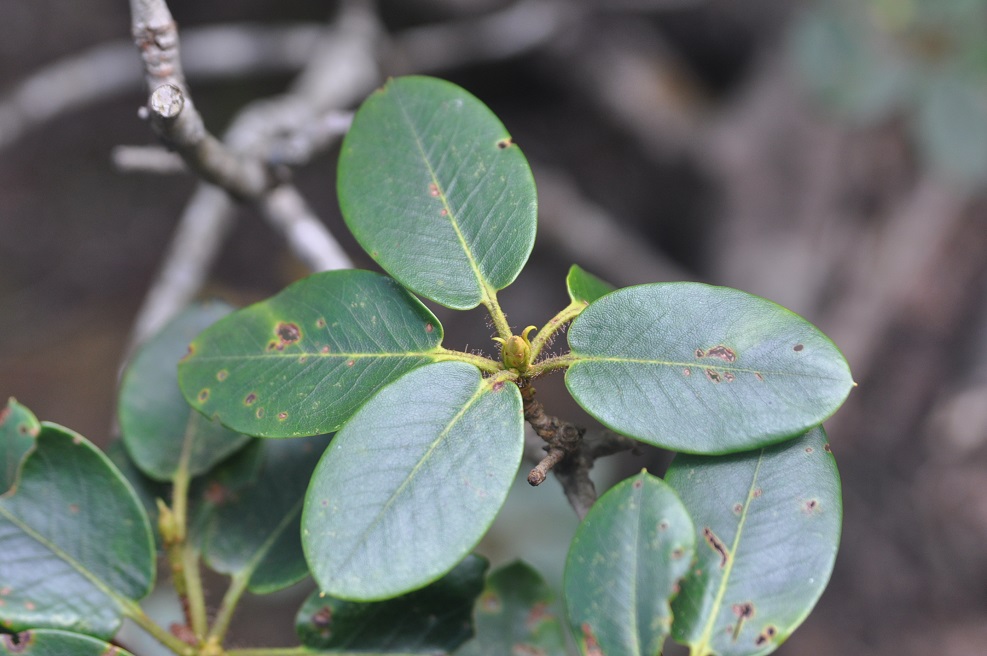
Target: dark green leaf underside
{"x": 75, "y": 541}
{"x": 435, "y": 619}
{"x": 302, "y": 361}
{"x": 412, "y": 482}
{"x": 768, "y": 527}
{"x": 155, "y": 421}
{"x": 515, "y": 615}
{"x": 434, "y": 189}
{"x": 624, "y": 565}
{"x": 702, "y": 369}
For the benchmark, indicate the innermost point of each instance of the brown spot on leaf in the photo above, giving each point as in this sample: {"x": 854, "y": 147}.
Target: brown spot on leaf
{"x": 112, "y": 651}
{"x": 429, "y": 327}
{"x": 766, "y": 635}
{"x": 716, "y": 544}
{"x": 74, "y": 508}
{"x": 827, "y": 448}
{"x": 686, "y": 371}
{"x": 638, "y": 484}
{"x": 798, "y": 347}
{"x": 757, "y": 374}
{"x": 222, "y": 375}
{"x": 538, "y": 614}
{"x": 713, "y": 375}
{"x": 738, "y": 508}
{"x": 677, "y": 553}
{"x": 433, "y": 190}
{"x": 499, "y": 385}
{"x": 729, "y": 377}
{"x": 720, "y": 351}
{"x": 444, "y": 212}
{"x": 189, "y": 353}
{"x": 16, "y": 643}
{"x": 260, "y": 413}
{"x": 322, "y": 620}
{"x": 810, "y": 506}
{"x": 203, "y": 395}
{"x": 217, "y": 494}
{"x": 289, "y": 332}
{"x": 663, "y": 525}
{"x": 282, "y": 416}
{"x": 350, "y": 363}
{"x": 743, "y": 611}
{"x": 303, "y": 359}
{"x": 4, "y": 413}
{"x": 505, "y": 143}
{"x": 30, "y": 605}
{"x": 250, "y": 399}
{"x": 524, "y": 649}
{"x": 324, "y": 349}
{"x": 589, "y": 639}
{"x": 320, "y": 323}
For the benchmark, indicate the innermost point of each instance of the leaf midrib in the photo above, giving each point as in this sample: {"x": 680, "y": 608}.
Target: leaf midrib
{"x": 577, "y": 359}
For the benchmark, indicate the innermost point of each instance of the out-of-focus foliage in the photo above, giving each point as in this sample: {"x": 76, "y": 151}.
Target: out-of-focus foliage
{"x": 923, "y": 60}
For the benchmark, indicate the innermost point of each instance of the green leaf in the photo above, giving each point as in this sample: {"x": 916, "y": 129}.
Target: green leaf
{"x": 434, "y": 189}
{"x": 18, "y": 427}
{"x": 703, "y": 369}
{"x": 254, "y": 529}
{"x": 147, "y": 489}
{"x": 435, "y": 619}
{"x": 514, "y": 616}
{"x": 624, "y": 565}
{"x": 159, "y": 429}
{"x": 412, "y": 482}
{"x": 584, "y": 286}
{"x": 768, "y": 525}
{"x": 302, "y": 361}
{"x": 47, "y": 642}
{"x": 76, "y": 545}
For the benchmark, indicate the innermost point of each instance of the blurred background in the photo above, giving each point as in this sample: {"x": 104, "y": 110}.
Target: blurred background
{"x": 830, "y": 155}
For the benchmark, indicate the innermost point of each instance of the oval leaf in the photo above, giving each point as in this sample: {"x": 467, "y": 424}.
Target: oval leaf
{"x": 254, "y": 530}
{"x": 412, "y": 482}
{"x": 514, "y": 616}
{"x": 18, "y": 427}
{"x": 584, "y": 286}
{"x": 159, "y": 429}
{"x": 768, "y": 526}
{"x": 434, "y": 189}
{"x": 76, "y": 544}
{"x": 703, "y": 369}
{"x": 46, "y": 642}
{"x": 435, "y": 619}
{"x": 302, "y": 361}
{"x": 624, "y": 565}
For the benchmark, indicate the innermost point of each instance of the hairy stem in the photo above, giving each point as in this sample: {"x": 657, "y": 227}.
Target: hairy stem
{"x": 481, "y": 362}
{"x": 555, "y": 324}
{"x": 136, "y": 614}
{"x": 497, "y": 314}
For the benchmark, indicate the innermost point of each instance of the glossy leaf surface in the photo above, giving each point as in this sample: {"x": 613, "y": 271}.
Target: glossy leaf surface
{"x": 768, "y": 528}
{"x": 435, "y": 619}
{"x": 75, "y": 541}
{"x": 157, "y": 425}
{"x": 48, "y": 642}
{"x": 412, "y": 482}
{"x": 255, "y": 528}
{"x": 624, "y": 565}
{"x": 584, "y": 286}
{"x": 703, "y": 369}
{"x": 434, "y": 189}
{"x": 18, "y": 427}
{"x": 515, "y": 615}
{"x": 302, "y": 361}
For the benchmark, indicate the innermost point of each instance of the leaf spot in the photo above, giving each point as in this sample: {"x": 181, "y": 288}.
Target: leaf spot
{"x": 260, "y": 413}
{"x": 288, "y": 332}
{"x": 350, "y": 363}
{"x": 504, "y": 144}
{"x": 686, "y": 371}
{"x": 17, "y": 643}
{"x": 429, "y": 328}
{"x": 433, "y": 190}
{"x": 677, "y": 553}
{"x": 589, "y": 638}
{"x": 663, "y": 525}
{"x": 798, "y": 348}
{"x": 809, "y": 449}
{"x": 30, "y": 605}
{"x": 303, "y": 359}
{"x": 250, "y": 399}
{"x": 444, "y": 212}
{"x": 827, "y": 448}
{"x": 716, "y": 544}
{"x": 282, "y": 416}
{"x": 729, "y": 377}
{"x": 324, "y": 349}
{"x": 638, "y": 484}
{"x": 524, "y": 649}
{"x": 743, "y": 611}
{"x": 539, "y": 613}
{"x": 203, "y": 395}
{"x": 4, "y": 413}
{"x": 738, "y": 508}
{"x": 222, "y": 375}
{"x": 321, "y": 620}
{"x": 74, "y": 508}
{"x": 217, "y": 494}
{"x": 713, "y": 375}
{"x": 490, "y": 603}
{"x": 320, "y": 323}
{"x": 757, "y": 374}
{"x": 766, "y": 635}
{"x": 720, "y": 351}
{"x": 757, "y": 493}
{"x": 811, "y": 506}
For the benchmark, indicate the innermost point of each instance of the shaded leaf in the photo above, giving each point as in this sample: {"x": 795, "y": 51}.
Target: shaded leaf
{"x": 18, "y": 427}
{"x": 412, "y": 482}
{"x": 515, "y": 615}
{"x": 951, "y": 124}
{"x": 146, "y": 488}
{"x": 703, "y": 369}
{"x": 48, "y": 642}
{"x": 302, "y": 361}
{"x": 624, "y": 566}
{"x": 768, "y": 526}
{"x": 433, "y": 188}
{"x": 435, "y": 619}
{"x": 157, "y": 425}
{"x": 76, "y": 545}
{"x": 256, "y": 527}
{"x": 584, "y": 286}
